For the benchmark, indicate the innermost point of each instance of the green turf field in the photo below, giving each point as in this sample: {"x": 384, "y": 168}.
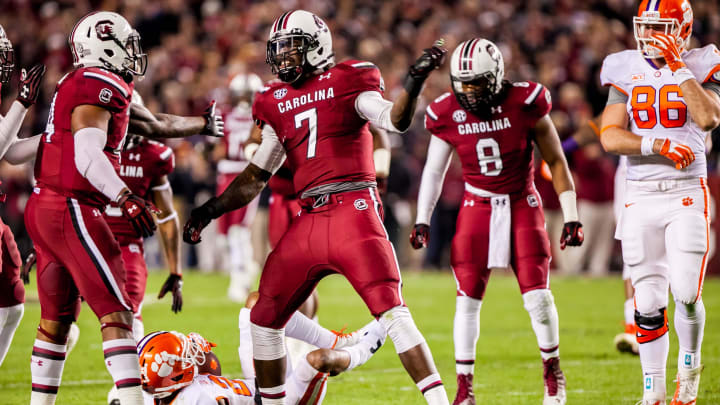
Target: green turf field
{"x": 508, "y": 368}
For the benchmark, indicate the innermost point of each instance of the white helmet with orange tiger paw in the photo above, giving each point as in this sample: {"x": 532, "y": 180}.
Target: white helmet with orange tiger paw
{"x": 673, "y": 17}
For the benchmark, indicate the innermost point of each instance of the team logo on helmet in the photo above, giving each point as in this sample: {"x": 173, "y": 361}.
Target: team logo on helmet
{"x": 104, "y": 29}
{"x": 459, "y": 116}
{"x": 280, "y": 93}
{"x": 320, "y": 24}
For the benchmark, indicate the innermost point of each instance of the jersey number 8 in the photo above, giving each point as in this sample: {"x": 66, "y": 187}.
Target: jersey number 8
{"x": 673, "y": 112}
{"x": 488, "y": 151}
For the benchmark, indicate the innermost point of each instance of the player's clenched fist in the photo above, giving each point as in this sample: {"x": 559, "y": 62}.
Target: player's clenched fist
{"x": 420, "y": 236}
{"x": 572, "y": 234}
{"x": 681, "y": 154}
{"x": 138, "y": 212}
{"x": 431, "y": 59}
{"x": 30, "y": 81}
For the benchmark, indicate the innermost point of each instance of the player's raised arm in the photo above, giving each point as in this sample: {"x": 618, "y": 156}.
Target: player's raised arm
{"x": 145, "y": 123}
{"x": 27, "y": 96}
{"x": 269, "y": 157}
{"x": 398, "y": 116}
{"x": 169, "y": 227}
{"x": 548, "y": 141}
{"x": 22, "y": 150}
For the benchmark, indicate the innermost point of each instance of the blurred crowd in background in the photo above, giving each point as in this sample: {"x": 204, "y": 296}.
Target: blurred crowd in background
{"x": 196, "y": 46}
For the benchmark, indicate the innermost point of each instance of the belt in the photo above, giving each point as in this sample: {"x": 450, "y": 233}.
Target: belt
{"x": 313, "y": 203}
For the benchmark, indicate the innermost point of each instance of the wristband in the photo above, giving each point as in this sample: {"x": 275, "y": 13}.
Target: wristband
{"x": 570, "y": 145}
{"x": 568, "y": 205}
{"x": 646, "y": 146}
{"x": 682, "y": 75}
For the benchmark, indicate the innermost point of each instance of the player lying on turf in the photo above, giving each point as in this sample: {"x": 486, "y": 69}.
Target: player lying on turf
{"x": 182, "y": 369}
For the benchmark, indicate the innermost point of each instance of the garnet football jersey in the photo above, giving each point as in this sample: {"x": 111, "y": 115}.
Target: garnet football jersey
{"x": 325, "y": 139}
{"x": 495, "y": 152}
{"x": 140, "y": 166}
{"x": 55, "y": 163}
{"x": 656, "y": 108}
{"x": 238, "y": 125}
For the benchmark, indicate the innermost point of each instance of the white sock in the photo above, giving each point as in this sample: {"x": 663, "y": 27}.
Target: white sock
{"x": 306, "y": 383}
{"x": 653, "y": 358}
{"x": 368, "y": 345}
{"x": 629, "y": 312}
{"x": 9, "y": 320}
{"x": 433, "y": 390}
{"x": 540, "y": 305}
{"x": 121, "y": 362}
{"x": 689, "y": 326}
{"x": 466, "y": 331}
{"x": 46, "y": 367}
{"x": 138, "y": 330}
{"x": 245, "y": 350}
{"x": 302, "y": 328}
{"x": 273, "y": 395}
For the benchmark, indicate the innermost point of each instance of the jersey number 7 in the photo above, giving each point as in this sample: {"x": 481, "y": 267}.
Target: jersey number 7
{"x": 311, "y": 117}
{"x": 673, "y": 111}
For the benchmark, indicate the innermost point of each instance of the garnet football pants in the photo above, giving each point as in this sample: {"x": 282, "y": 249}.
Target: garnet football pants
{"x": 76, "y": 255}
{"x": 529, "y": 249}
{"x": 344, "y": 236}
{"x": 133, "y": 255}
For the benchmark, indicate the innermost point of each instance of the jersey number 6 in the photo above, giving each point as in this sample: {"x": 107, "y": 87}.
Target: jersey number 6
{"x": 673, "y": 112}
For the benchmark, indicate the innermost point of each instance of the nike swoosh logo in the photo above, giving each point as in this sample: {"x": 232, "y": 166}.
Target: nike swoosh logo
{"x": 627, "y": 205}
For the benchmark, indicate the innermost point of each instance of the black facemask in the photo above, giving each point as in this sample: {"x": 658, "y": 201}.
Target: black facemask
{"x": 282, "y": 54}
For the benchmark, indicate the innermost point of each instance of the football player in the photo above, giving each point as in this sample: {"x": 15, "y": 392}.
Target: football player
{"x": 12, "y": 292}
{"x": 492, "y": 124}
{"x": 182, "y": 369}
{"x": 664, "y": 99}
{"x": 235, "y": 225}
{"x": 585, "y": 135}
{"x": 317, "y": 117}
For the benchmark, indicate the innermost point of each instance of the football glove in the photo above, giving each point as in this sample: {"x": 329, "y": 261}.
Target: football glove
{"x": 668, "y": 48}
{"x": 200, "y": 217}
{"x": 431, "y": 59}
{"x": 214, "y": 124}
{"x": 30, "y": 85}
{"x": 27, "y": 266}
{"x": 420, "y": 236}
{"x": 681, "y": 154}
{"x": 139, "y": 213}
{"x": 173, "y": 284}
{"x": 572, "y": 234}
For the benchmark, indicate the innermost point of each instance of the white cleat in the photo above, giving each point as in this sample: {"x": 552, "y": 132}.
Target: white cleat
{"x": 652, "y": 398}
{"x": 351, "y": 339}
{"x": 688, "y": 382}
{"x": 626, "y": 343}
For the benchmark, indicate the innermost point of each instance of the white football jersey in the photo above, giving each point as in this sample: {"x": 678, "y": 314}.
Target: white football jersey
{"x": 656, "y": 108}
{"x": 208, "y": 389}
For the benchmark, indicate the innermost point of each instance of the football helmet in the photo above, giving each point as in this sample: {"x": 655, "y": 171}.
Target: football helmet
{"x": 245, "y": 85}
{"x": 299, "y": 43}
{"x": 477, "y": 64}
{"x": 7, "y": 57}
{"x": 168, "y": 362}
{"x": 105, "y": 39}
{"x": 673, "y": 17}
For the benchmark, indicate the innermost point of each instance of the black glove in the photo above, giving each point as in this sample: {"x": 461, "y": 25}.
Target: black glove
{"x": 139, "y": 213}
{"x": 30, "y": 85}
{"x": 214, "y": 124}
{"x": 173, "y": 284}
{"x": 200, "y": 217}
{"x": 572, "y": 234}
{"x": 420, "y": 236}
{"x": 27, "y": 266}
{"x": 431, "y": 59}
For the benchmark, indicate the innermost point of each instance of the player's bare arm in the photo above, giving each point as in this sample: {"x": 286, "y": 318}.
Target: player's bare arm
{"x": 145, "y": 123}
{"x": 169, "y": 227}
{"x": 615, "y": 138}
{"x": 548, "y": 141}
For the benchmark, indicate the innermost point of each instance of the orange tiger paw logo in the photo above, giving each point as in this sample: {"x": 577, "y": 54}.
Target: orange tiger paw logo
{"x": 687, "y": 201}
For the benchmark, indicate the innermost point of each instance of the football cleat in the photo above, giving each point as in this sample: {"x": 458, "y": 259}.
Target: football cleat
{"x": 343, "y": 339}
{"x": 626, "y": 342}
{"x": 465, "y": 394}
{"x": 688, "y": 382}
{"x": 652, "y": 398}
{"x": 554, "y": 382}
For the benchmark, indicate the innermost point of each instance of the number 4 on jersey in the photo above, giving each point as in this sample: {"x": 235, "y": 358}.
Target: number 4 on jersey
{"x": 311, "y": 116}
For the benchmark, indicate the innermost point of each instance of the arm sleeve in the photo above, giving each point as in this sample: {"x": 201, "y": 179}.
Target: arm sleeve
{"x": 371, "y": 106}
{"x": 22, "y": 150}
{"x": 10, "y": 125}
{"x": 92, "y": 163}
{"x": 616, "y": 97}
{"x": 437, "y": 163}
{"x": 271, "y": 153}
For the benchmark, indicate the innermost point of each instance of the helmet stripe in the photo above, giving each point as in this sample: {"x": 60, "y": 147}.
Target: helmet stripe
{"x": 657, "y": 5}
{"x": 474, "y": 44}
{"x": 279, "y": 22}
{"x": 466, "y": 54}
{"x": 287, "y": 18}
